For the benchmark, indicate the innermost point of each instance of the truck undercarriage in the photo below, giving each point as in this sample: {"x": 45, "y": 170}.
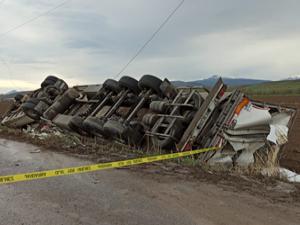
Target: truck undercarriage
{"x": 152, "y": 112}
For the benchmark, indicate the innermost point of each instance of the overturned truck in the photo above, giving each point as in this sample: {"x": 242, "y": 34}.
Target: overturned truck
{"x": 151, "y": 112}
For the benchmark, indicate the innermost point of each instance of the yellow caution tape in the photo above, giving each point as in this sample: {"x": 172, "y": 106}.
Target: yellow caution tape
{"x": 95, "y": 167}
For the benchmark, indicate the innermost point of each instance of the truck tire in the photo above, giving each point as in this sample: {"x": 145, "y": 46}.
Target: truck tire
{"x": 34, "y": 108}
{"x": 59, "y": 84}
{"x": 197, "y": 100}
{"x": 150, "y": 82}
{"x": 62, "y": 86}
{"x": 134, "y": 134}
{"x": 62, "y": 104}
{"x": 50, "y": 114}
{"x": 19, "y": 97}
{"x": 114, "y": 129}
{"x": 112, "y": 85}
{"x": 129, "y": 83}
{"x": 188, "y": 116}
{"x": 169, "y": 143}
{"x": 130, "y": 100}
{"x": 51, "y": 91}
{"x": 76, "y": 124}
{"x": 159, "y": 106}
{"x": 94, "y": 126}
{"x": 150, "y": 119}
{"x": 50, "y": 80}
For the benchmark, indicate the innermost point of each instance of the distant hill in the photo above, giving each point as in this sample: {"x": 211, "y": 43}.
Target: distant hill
{"x": 295, "y": 77}
{"x": 209, "y": 82}
{"x": 9, "y": 94}
{"x": 12, "y": 94}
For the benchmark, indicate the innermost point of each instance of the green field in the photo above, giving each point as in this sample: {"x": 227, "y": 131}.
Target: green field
{"x": 290, "y": 87}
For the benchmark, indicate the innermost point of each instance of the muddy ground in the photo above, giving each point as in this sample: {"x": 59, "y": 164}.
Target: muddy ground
{"x": 153, "y": 194}
{"x": 5, "y": 107}
{"x": 272, "y": 189}
{"x": 290, "y": 156}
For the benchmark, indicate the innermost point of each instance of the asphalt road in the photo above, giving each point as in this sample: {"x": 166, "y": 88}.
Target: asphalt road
{"x": 121, "y": 197}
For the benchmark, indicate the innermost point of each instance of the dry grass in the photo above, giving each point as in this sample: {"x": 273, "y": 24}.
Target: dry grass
{"x": 266, "y": 164}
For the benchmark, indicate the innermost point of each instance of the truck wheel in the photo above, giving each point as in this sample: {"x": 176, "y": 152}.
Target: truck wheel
{"x": 59, "y": 84}
{"x": 114, "y": 129}
{"x": 50, "y": 80}
{"x": 62, "y": 104}
{"x": 94, "y": 126}
{"x": 188, "y": 116}
{"x": 129, "y": 83}
{"x": 188, "y": 112}
{"x": 112, "y": 85}
{"x": 169, "y": 143}
{"x": 196, "y": 100}
{"x": 159, "y": 106}
{"x": 76, "y": 124}
{"x": 51, "y": 91}
{"x": 50, "y": 114}
{"x": 19, "y": 97}
{"x": 135, "y": 133}
{"x": 62, "y": 85}
{"x": 150, "y": 119}
{"x": 150, "y": 82}
{"x": 34, "y": 108}
{"x": 130, "y": 100}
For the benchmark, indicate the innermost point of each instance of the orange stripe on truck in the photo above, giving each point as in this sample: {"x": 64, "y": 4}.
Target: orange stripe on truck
{"x": 243, "y": 103}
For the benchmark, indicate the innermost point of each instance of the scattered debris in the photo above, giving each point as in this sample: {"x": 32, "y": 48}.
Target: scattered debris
{"x": 36, "y": 151}
{"x": 289, "y": 175}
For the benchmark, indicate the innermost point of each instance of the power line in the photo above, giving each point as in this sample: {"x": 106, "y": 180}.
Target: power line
{"x": 2, "y": 35}
{"x": 150, "y": 38}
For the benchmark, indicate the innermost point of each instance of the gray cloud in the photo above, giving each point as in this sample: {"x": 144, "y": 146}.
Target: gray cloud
{"x": 88, "y": 41}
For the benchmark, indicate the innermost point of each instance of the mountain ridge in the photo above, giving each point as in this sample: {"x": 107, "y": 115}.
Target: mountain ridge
{"x": 208, "y": 82}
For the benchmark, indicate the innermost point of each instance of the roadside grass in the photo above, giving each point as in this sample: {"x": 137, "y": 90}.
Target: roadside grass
{"x": 266, "y": 165}
{"x": 279, "y": 88}
{"x": 188, "y": 161}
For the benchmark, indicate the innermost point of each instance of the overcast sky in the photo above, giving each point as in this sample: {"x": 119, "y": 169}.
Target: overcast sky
{"x": 89, "y": 41}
